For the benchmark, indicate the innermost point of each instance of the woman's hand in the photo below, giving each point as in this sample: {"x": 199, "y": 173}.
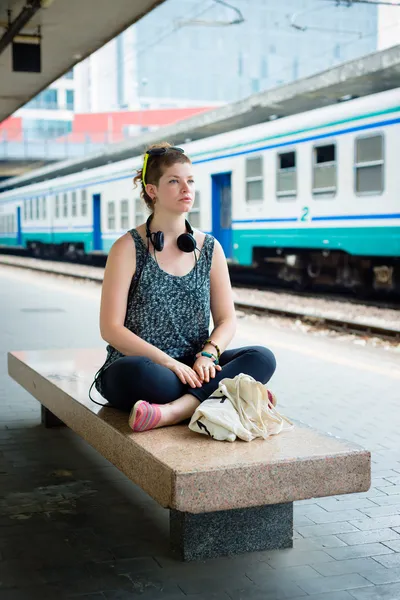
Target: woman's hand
{"x": 185, "y": 373}
{"x": 206, "y": 368}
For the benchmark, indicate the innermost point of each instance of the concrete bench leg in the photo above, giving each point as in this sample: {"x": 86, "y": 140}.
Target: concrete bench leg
{"x": 209, "y": 535}
{"x": 49, "y": 419}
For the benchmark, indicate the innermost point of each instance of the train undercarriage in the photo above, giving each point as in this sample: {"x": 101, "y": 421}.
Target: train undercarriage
{"x": 303, "y": 269}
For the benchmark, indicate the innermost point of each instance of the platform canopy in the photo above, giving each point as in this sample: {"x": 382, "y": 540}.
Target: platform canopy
{"x": 370, "y": 74}
{"x": 70, "y": 30}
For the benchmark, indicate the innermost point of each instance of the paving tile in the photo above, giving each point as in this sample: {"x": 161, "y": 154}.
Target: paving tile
{"x": 172, "y": 592}
{"x": 358, "y": 551}
{"x": 389, "y": 561}
{"x": 213, "y": 582}
{"x": 279, "y": 591}
{"x": 379, "y": 592}
{"x": 317, "y": 543}
{"x": 291, "y": 558}
{"x": 261, "y": 577}
{"x": 334, "y": 583}
{"x": 327, "y": 529}
{"x": 378, "y": 523}
{"x": 394, "y": 479}
{"x": 380, "y": 574}
{"x": 371, "y": 536}
{"x": 341, "y": 567}
{"x": 392, "y": 490}
{"x": 328, "y": 596}
{"x": 393, "y": 544}
{"x": 382, "y": 511}
{"x": 387, "y": 500}
{"x": 332, "y": 504}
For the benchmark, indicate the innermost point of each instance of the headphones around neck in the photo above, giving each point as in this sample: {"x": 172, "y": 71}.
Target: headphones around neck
{"x": 186, "y": 241}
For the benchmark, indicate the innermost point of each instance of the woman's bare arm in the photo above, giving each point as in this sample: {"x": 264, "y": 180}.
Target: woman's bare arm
{"x": 222, "y": 305}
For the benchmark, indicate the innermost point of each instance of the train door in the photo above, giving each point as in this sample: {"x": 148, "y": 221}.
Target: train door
{"x": 222, "y": 211}
{"x": 97, "y": 240}
{"x": 19, "y": 227}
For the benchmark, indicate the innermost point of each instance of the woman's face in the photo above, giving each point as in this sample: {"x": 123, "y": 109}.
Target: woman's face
{"x": 175, "y": 190}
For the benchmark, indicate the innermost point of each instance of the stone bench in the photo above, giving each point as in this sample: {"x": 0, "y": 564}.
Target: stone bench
{"x": 224, "y": 498}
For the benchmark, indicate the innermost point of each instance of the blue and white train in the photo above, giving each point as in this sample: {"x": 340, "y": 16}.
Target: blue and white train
{"x": 310, "y": 197}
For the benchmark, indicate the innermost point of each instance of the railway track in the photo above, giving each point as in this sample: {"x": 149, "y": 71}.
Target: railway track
{"x": 75, "y": 271}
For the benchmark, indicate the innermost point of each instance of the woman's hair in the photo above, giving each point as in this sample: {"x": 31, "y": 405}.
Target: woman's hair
{"x": 155, "y": 168}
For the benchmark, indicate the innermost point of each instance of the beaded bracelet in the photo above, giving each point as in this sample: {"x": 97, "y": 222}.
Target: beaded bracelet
{"x": 209, "y": 355}
{"x": 210, "y": 341}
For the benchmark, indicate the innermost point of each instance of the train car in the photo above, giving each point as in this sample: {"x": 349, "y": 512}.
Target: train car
{"x": 314, "y": 197}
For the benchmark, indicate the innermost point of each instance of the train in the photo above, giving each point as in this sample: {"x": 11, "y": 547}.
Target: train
{"x": 308, "y": 198}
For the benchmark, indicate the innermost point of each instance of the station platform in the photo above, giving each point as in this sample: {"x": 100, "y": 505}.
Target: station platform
{"x": 72, "y": 526}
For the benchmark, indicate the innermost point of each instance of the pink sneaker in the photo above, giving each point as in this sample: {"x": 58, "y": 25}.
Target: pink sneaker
{"x": 271, "y": 397}
{"x": 144, "y": 416}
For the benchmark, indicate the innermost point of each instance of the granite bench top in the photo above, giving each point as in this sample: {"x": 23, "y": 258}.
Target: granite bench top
{"x": 184, "y": 470}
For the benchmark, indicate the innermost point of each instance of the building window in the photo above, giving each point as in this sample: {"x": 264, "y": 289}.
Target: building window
{"x": 369, "y": 164}
{"x": 57, "y": 207}
{"x": 111, "y": 215}
{"x": 264, "y": 67}
{"x": 45, "y": 128}
{"x": 37, "y": 208}
{"x": 124, "y": 214}
{"x": 46, "y": 99}
{"x": 324, "y": 170}
{"x": 194, "y": 215}
{"x": 65, "y": 205}
{"x": 139, "y": 211}
{"x": 83, "y": 203}
{"x": 286, "y": 176}
{"x": 255, "y": 85}
{"x": 254, "y": 179}
{"x": 73, "y": 205}
{"x": 69, "y": 97}
{"x": 44, "y": 207}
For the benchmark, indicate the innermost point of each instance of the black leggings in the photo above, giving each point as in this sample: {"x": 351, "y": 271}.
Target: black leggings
{"x": 133, "y": 378}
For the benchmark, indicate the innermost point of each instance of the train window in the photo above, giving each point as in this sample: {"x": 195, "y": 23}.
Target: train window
{"x": 254, "y": 179}
{"x": 369, "y": 163}
{"x": 37, "y": 208}
{"x": 286, "y": 176}
{"x": 324, "y": 170}
{"x": 44, "y": 207}
{"x": 57, "y": 207}
{"x": 124, "y": 212}
{"x": 83, "y": 203}
{"x": 111, "y": 215}
{"x": 74, "y": 209}
{"x": 31, "y": 208}
{"x": 25, "y": 210}
{"x": 139, "y": 211}
{"x": 194, "y": 215}
{"x": 65, "y": 205}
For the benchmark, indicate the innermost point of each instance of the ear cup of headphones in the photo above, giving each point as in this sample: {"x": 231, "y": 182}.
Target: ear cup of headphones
{"x": 157, "y": 240}
{"x": 186, "y": 242}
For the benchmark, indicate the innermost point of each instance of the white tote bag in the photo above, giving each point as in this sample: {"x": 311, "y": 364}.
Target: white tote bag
{"x": 240, "y": 407}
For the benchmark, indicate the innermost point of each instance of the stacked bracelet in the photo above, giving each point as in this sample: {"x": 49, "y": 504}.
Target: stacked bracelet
{"x": 210, "y": 341}
{"x": 209, "y": 355}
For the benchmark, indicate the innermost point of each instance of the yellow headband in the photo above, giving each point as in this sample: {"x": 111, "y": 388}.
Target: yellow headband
{"x": 146, "y": 158}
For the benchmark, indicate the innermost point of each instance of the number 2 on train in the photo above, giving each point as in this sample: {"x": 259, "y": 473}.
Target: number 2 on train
{"x": 304, "y": 214}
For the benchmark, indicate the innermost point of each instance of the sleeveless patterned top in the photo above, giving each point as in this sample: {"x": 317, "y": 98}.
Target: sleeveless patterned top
{"x": 168, "y": 311}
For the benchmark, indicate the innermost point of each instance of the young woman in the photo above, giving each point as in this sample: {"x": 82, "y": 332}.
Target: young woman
{"x": 160, "y": 282}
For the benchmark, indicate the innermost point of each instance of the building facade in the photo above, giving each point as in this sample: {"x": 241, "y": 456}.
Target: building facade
{"x": 182, "y": 53}
{"x": 188, "y": 55}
